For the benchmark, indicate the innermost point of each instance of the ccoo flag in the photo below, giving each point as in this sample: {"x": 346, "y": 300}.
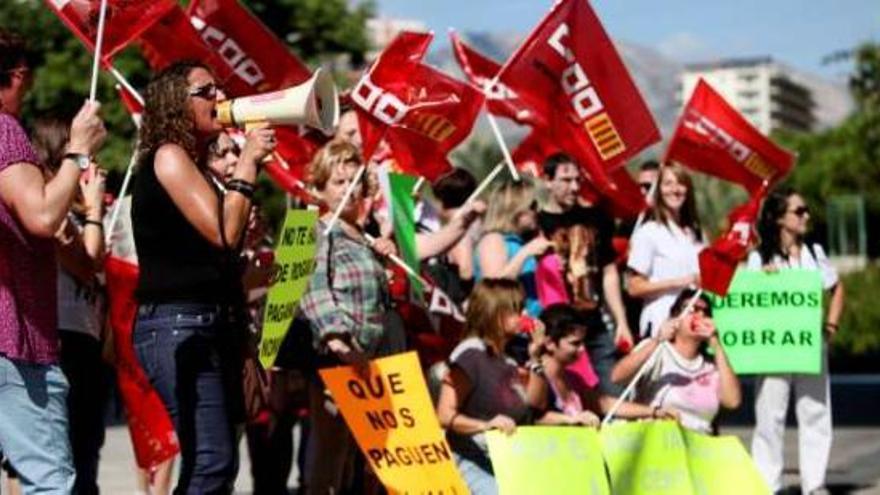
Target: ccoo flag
{"x": 714, "y": 138}
{"x": 569, "y": 69}
{"x": 421, "y": 112}
{"x": 259, "y": 60}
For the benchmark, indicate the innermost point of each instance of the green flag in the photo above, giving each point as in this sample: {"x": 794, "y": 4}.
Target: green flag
{"x": 403, "y": 217}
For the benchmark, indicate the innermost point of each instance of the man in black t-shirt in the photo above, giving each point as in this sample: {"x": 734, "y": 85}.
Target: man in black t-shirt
{"x": 592, "y": 277}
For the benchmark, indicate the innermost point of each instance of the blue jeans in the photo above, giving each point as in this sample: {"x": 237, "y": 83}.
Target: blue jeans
{"x": 477, "y": 475}
{"x": 33, "y": 426}
{"x": 192, "y": 356}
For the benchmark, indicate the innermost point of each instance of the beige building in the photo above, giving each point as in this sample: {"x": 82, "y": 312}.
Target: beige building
{"x": 767, "y": 93}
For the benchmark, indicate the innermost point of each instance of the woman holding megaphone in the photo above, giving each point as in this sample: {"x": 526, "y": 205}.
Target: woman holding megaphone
{"x": 190, "y": 322}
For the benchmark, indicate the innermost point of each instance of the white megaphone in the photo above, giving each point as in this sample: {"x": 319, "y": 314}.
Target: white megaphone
{"x": 314, "y": 103}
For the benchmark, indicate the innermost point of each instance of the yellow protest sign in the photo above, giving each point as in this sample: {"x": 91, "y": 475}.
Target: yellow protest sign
{"x": 661, "y": 457}
{"x": 561, "y": 460}
{"x": 295, "y": 258}
{"x": 392, "y": 419}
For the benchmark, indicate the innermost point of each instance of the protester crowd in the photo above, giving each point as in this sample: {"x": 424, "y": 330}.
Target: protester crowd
{"x": 557, "y": 314}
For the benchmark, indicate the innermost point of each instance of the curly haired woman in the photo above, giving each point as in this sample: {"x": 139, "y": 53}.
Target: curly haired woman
{"x": 190, "y": 322}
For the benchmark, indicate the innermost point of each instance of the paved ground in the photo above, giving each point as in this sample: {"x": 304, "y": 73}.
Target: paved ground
{"x": 855, "y": 462}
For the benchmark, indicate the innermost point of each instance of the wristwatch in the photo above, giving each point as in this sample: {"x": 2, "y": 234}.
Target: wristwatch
{"x": 81, "y": 160}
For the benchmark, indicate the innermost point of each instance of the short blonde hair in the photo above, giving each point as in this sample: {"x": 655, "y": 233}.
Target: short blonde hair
{"x": 490, "y": 300}
{"x": 506, "y": 204}
{"x": 332, "y": 155}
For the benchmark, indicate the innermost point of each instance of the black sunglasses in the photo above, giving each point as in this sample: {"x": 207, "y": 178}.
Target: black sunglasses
{"x": 800, "y": 211}
{"x": 208, "y": 91}
{"x": 645, "y": 186}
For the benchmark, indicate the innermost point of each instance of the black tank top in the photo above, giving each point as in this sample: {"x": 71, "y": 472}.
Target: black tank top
{"x": 176, "y": 263}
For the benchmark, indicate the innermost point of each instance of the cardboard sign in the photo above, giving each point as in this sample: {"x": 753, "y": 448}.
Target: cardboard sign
{"x": 772, "y": 322}
{"x": 548, "y": 459}
{"x": 392, "y": 419}
{"x": 295, "y": 257}
{"x": 661, "y": 457}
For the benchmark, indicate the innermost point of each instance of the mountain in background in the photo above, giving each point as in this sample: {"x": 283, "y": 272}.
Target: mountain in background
{"x": 656, "y": 76}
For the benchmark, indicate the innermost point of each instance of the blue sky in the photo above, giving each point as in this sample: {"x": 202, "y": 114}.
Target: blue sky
{"x": 798, "y": 32}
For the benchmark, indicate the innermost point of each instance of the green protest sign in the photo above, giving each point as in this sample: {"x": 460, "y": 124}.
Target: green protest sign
{"x": 295, "y": 258}
{"x": 772, "y": 322}
{"x": 548, "y": 459}
{"x": 646, "y": 458}
{"x": 662, "y": 457}
{"x": 721, "y": 466}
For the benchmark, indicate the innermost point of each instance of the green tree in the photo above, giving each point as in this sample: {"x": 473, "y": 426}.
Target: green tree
{"x": 845, "y": 159}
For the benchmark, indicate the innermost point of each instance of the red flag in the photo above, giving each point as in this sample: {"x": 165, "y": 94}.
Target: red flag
{"x": 125, "y": 20}
{"x": 422, "y": 112}
{"x": 500, "y": 99}
{"x": 569, "y": 70}
{"x": 150, "y": 427}
{"x": 380, "y": 95}
{"x": 718, "y": 262}
{"x": 257, "y": 57}
{"x": 440, "y": 116}
{"x": 714, "y": 138}
{"x": 173, "y": 39}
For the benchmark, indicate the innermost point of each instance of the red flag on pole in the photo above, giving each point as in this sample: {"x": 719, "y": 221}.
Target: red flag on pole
{"x": 714, "y": 138}
{"x": 257, "y": 57}
{"x": 441, "y": 115}
{"x": 422, "y": 112}
{"x": 718, "y": 262}
{"x": 568, "y": 69}
{"x": 381, "y": 93}
{"x": 125, "y": 20}
{"x": 500, "y": 99}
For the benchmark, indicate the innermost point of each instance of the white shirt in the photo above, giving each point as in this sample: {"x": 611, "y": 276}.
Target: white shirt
{"x": 690, "y": 386}
{"x": 807, "y": 261}
{"x": 661, "y": 252}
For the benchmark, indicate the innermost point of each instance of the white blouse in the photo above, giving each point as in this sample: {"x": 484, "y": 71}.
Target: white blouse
{"x": 659, "y": 252}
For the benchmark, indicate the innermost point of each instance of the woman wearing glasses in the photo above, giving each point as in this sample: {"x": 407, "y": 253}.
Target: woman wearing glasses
{"x": 190, "y": 323}
{"x": 663, "y": 250}
{"x": 685, "y": 381}
{"x": 782, "y": 227}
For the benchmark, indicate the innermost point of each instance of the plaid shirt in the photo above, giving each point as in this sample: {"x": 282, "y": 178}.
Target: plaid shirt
{"x": 348, "y": 292}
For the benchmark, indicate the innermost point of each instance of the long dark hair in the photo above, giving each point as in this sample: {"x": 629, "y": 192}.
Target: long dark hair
{"x": 775, "y": 207}
{"x": 688, "y": 216}
{"x": 167, "y": 117}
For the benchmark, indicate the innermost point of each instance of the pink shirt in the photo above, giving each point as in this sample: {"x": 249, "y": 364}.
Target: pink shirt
{"x": 28, "y": 271}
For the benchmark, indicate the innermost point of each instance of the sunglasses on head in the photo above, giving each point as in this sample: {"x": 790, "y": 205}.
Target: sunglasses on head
{"x": 800, "y": 211}
{"x": 207, "y": 91}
